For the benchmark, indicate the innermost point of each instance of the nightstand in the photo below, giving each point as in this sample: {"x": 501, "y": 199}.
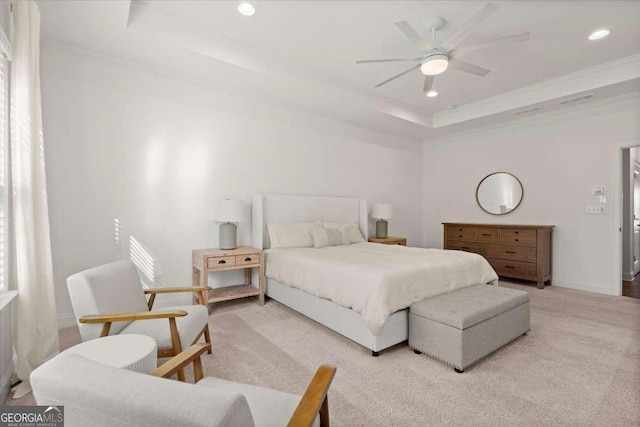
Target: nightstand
{"x": 207, "y": 261}
{"x": 389, "y": 240}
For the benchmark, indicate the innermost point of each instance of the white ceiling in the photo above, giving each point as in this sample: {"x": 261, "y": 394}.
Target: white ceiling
{"x": 293, "y": 48}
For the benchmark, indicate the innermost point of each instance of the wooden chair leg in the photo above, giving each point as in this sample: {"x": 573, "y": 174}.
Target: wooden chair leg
{"x": 324, "y": 413}
{"x": 177, "y": 347}
{"x": 207, "y": 338}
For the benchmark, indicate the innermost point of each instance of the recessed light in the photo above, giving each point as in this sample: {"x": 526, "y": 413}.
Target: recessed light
{"x": 246, "y": 9}
{"x": 432, "y": 94}
{"x": 599, "y": 34}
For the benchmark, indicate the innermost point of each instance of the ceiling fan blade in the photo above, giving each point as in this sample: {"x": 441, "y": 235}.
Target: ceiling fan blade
{"x": 428, "y": 83}
{"x": 413, "y": 35}
{"x": 462, "y": 51}
{"x": 371, "y": 61}
{"x": 398, "y": 75}
{"x": 456, "y": 38}
{"x": 468, "y": 68}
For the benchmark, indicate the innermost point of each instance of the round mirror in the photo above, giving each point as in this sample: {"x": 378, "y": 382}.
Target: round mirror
{"x": 499, "y": 193}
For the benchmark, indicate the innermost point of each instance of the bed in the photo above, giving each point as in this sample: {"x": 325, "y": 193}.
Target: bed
{"x": 362, "y": 290}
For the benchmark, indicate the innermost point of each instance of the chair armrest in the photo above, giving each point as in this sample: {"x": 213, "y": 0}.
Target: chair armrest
{"x": 314, "y": 400}
{"x": 128, "y": 317}
{"x": 199, "y": 290}
{"x": 172, "y": 290}
{"x": 176, "y": 363}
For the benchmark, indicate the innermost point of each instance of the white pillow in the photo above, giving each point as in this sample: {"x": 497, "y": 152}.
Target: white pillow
{"x": 353, "y": 232}
{"x": 323, "y": 237}
{"x": 291, "y": 234}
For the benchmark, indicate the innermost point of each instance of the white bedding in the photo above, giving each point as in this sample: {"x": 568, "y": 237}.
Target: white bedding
{"x": 376, "y": 280}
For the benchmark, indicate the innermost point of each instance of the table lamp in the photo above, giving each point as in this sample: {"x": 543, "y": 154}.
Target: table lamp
{"x": 382, "y": 212}
{"x": 229, "y": 211}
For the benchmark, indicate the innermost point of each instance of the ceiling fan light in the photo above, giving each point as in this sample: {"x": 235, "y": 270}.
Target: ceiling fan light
{"x": 432, "y": 94}
{"x": 434, "y": 64}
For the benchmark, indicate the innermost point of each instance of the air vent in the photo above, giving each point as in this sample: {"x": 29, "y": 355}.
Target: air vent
{"x": 577, "y": 99}
{"x": 530, "y": 110}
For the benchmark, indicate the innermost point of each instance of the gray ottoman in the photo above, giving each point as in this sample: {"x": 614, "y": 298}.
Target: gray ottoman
{"x": 463, "y": 326}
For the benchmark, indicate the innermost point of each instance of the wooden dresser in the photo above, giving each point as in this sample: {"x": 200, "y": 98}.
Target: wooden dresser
{"x": 517, "y": 251}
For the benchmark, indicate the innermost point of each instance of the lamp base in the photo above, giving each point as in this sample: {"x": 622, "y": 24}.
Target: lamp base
{"x": 227, "y": 235}
{"x": 381, "y": 229}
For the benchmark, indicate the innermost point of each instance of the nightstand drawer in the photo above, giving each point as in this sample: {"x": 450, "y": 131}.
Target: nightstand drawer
{"x": 461, "y": 233}
{"x": 515, "y": 236}
{"x": 517, "y": 253}
{"x": 221, "y": 262}
{"x": 250, "y": 259}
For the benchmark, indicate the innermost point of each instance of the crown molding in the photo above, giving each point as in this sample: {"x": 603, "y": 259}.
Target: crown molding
{"x": 564, "y": 86}
{"x": 545, "y": 117}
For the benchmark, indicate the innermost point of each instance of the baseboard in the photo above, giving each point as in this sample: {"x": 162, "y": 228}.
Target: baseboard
{"x": 5, "y": 385}
{"x": 599, "y": 289}
{"x": 66, "y": 320}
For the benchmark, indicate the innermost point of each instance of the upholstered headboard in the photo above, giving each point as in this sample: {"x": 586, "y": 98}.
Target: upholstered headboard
{"x": 288, "y": 208}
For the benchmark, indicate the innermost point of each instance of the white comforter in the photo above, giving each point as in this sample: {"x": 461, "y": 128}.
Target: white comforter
{"x": 376, "y": 280}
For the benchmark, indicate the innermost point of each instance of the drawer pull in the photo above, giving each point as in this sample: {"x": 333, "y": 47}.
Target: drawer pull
{"x": 460, "y": 229}
{"x": 247, "y": 259}
{"x": 487, "y": 234}
{"x": 222, "y": 261}
{"x": 517, "y": 240}
{"x": 517, "y": 232}
{"x": 509, "y": 252}
{"x": 509, "y": 266}
{"x": 460, "y": 235}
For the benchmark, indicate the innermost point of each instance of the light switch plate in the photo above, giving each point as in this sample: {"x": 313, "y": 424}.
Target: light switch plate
{"x": 596, "y": 191}
{"x": 596, "y": 210}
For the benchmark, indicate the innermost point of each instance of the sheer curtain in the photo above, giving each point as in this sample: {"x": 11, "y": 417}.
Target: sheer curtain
{"x": 36, "y": 332}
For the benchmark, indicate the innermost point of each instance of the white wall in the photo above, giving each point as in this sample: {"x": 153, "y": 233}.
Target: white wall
{"x": 559, "y": 159}
{"x": 155, "y": 152}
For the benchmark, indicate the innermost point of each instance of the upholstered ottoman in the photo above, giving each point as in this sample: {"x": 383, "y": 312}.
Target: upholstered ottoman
{"x": 463, "y": 326}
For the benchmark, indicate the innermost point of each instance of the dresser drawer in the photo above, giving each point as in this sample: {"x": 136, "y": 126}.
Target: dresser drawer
{"x": 467, "y": 247}
{"x": 250, "y": 259}
{"x": 487, "y": 235}
{"x": 513, "y": 268}
{"x": 221, "y": 262}
{"x": 461, "y": 232}
{"x": 518, "y": 236}
{"x": 517, "y": 253}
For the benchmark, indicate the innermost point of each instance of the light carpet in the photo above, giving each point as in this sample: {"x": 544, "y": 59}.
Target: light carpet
{"x": 579, "y": 366}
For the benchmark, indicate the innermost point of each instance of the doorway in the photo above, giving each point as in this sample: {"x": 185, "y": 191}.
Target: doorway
{"x": 631, "y": 222}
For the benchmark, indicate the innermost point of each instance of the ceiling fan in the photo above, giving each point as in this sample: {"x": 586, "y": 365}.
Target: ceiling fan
{"x": 438, "y": 56}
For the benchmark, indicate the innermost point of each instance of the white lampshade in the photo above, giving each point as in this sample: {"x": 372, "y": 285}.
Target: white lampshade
{"x": 230, "y": 211}
{"x": 382, "y": 211}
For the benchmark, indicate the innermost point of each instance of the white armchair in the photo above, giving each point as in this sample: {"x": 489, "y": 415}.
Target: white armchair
{"x": 98, "y": 395}
{"x": 110, "y": 300}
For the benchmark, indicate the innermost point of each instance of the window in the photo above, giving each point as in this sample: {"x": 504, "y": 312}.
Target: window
{"x": 4, "y": 142}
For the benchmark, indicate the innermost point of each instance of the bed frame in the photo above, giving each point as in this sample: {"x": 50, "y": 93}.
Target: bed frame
{"x": 287, "y": 208}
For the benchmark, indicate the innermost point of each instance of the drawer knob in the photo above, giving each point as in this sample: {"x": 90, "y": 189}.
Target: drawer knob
{"x": 517, "y": 232}
{"x": 509, "y": 266}
{"x": 486, "y": 234}
{"x": 247, "y": 259}
{"x": 509, "y": 252}
{"x": 460, "y": 229}
{"x": 517, "y": 240}
{"x": 460, "y": 235}
{"x": 222, "y": 261}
